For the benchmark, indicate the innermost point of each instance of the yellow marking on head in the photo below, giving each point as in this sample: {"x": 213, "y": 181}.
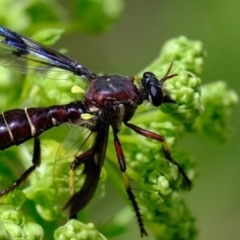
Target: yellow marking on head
{"x": 136, "y": 79}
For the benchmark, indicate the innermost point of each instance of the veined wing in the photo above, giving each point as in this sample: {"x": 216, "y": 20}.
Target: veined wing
{"x": 76, "y": 140}
{"x": 23, "y": 54}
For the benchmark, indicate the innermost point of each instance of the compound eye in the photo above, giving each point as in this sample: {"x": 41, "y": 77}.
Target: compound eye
{"x": 153, "y": 87}
{"x": 155, "y": 91}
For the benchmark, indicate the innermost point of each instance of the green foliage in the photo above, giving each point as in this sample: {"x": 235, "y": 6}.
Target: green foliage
{"x": 92, "y": 16}
{"x": 35, "y": 212}
{"x": 96, "y": 15}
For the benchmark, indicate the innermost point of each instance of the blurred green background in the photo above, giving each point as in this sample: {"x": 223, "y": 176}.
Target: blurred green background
{"x": 134, "y": 42}
{"x": 143, "y": 27}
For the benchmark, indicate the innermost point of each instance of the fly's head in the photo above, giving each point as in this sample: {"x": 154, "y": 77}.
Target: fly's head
{"x": 153, "y": 89}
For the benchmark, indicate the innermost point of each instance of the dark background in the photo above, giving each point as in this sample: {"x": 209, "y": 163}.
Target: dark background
{"x": 135, "y": 41}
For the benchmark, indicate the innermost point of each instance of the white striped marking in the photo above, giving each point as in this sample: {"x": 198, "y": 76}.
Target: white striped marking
{"x": 9, "y": 131}
{"x": 33, "y": 129}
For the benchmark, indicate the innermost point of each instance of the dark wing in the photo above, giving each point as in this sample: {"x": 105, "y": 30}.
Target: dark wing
{"x": 93, "y": 160}
{"x": 23, "y": 54}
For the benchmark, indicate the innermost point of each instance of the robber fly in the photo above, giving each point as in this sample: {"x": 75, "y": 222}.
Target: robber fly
{"x": 110, "y": 100}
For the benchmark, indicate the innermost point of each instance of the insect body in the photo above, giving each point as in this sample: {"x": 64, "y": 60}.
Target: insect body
{"x": 110, "y": 100}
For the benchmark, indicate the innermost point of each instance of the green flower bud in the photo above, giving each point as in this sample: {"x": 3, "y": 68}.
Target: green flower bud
{"x": 74, "y": 229}
{"x": 219, "y": 101}
{"x": 16, "y": 225}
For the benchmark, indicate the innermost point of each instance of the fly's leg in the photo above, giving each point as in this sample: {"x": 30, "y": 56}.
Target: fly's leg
{"x": 131, "y": 196}
{"x": 78, "y": 160}
{"x": 36, "y": 161}
{"x": 92, "y": 171}
{"x": 165, "y": 148}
